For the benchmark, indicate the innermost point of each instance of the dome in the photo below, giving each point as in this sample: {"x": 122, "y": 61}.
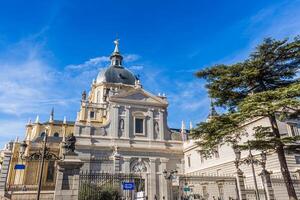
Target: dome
{"x": 116, "y": 74}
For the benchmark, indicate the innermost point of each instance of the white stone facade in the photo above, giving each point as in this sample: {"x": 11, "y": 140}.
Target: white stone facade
{"x": 222, "y": 163}
{"x": 123, "y": 128}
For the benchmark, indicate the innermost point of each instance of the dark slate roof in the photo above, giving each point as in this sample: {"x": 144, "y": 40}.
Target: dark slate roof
{"x": 60, "y": 122}
{"x": 178, "y": 130}
{"x": 116, "y": 74}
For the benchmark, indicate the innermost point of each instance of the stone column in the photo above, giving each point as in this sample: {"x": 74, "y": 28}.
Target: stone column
{"x": 163, "y": 183}
{"x": 127, "y": 122}
{"x": 67, "y": 181}
{"x": 161, "y": 125}
{"x": 126, "y": 168}
{"x": 266, "y": 180}
{"x": 151, "y": 124}
{"x": 240, "y": 184}
{"x": 4, "y": 172}
{"x": 115, "y": 121}
{"x": 152, "y": 182}
{"x": 116, "y": 157}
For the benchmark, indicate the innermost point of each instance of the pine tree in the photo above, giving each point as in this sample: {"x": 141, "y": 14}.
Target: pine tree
{"x": 264, "y": 85}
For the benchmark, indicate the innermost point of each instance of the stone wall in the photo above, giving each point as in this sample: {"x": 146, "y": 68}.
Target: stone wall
{"x": 31, "y": 195}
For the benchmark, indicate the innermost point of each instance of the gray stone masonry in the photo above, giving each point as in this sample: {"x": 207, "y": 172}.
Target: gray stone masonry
{"x": 4, "y": 172}
{"x": 67, "y": 181}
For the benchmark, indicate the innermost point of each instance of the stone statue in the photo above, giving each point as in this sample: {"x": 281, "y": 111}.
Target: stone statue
{"x": 70, "y": 143}
{"x": 83, "y": 96}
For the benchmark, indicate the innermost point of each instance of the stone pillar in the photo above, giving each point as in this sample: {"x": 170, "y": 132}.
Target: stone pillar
{"x": 4, "y": 172}
{"x": 240, "y": 185}
{"x": 115, "y": 121}
{"x": 126, "y": 164}
{"x": 152, "y": 182}
{"x": 161, "y": 125}
{"x": 266, "y": 180}
{"x": 151, "y": 124}
{"x": 116, "y": 159}
{"x": 127, "y": 122}
{"x": 67, "y": 181}
{"x": 163, "y": 182}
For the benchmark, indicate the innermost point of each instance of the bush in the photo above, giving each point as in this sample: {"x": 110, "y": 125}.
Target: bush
{"x": 90, "y": 191}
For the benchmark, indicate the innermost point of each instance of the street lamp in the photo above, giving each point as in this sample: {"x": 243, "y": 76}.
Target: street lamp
{"x": 169, "y": 176}
{"x": 250, "y": 160}
{"x": 41, "y": 155}
{"x": 237, "y": 152}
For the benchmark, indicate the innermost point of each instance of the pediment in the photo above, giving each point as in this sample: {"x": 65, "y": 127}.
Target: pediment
{"x": 139, "y": 96}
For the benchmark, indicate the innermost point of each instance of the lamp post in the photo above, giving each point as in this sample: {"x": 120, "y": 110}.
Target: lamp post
{"x": 169, "y": 176}
{"x": 269, "y": 194}
{"x": 41, "y": 155}
{"x": 240, "y": 177}
{"x": 250, "y": 160}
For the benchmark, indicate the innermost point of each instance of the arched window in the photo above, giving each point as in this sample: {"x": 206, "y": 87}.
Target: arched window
{"x": 56, "y": 134}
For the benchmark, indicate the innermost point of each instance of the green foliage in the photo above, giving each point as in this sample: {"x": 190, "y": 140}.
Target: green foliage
{"x": 264, "y": 85}
{"x": 89, "y": 191}
{"x": 218, "y": 130}
{"x": 274, "y": 64}
{"x": 261, "y": 86}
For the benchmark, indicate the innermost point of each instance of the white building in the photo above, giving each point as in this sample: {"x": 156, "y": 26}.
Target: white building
{"x": 222, "y": 162}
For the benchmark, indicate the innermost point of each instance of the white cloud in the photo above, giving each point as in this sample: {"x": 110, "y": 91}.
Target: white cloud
{"x": 100, "y": 62}
{"x": 91, "y": 63}
{"x": 131, "y": 57}
{"x": 10, "y": 129}
{"x": 136, "y": 67}
{"x": 28, "y": 84}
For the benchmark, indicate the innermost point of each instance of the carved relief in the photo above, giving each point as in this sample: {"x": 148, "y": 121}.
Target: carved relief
{"x": 139, "y": 166}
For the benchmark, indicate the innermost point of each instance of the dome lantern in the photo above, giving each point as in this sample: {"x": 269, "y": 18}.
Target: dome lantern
{"x": 116, "y": 58}
{"x": 116, "y": 73}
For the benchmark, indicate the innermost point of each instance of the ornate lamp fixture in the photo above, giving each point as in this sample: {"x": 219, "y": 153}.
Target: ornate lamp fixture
{"x": 169, "y": 175}
{"x": 250, "y": 160}
{"x": 44, "y": 153}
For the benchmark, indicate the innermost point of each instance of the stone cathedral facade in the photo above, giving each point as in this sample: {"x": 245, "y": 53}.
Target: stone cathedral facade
{"x": 120, "y": 128}
{"x": 123, "y": 128}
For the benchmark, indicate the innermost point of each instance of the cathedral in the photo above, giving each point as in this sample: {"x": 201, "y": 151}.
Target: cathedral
{"x": 122, "y": 128}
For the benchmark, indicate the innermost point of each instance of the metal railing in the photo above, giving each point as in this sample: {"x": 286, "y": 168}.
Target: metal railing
{"x": 101, "y": 185}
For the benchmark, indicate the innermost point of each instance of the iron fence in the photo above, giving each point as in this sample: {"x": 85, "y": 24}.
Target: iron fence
{"x": 102, "y": 186}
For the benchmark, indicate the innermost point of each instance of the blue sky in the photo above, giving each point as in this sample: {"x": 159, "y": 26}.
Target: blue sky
{"x": 51, "y": 50}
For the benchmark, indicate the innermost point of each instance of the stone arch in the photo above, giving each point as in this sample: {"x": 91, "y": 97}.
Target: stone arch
{"x": 139, "y": 166}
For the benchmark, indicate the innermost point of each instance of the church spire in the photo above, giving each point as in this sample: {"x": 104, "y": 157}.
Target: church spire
{"x": 116, "y": 58}
{"x": 212, "y": 110}
{"x": 51, "y": 119}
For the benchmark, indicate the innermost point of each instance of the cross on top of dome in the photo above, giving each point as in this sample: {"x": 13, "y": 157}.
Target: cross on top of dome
{"x": 116, "y": 46}
{"x": 116, "y": 58}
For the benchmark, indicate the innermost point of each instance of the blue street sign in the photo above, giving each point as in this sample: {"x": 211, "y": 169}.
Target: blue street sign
{"x": 128, "y": 185}
{"x": 19, "y": 166}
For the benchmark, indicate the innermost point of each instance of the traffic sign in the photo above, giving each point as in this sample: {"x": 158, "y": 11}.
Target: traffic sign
{"x": 186, "y": 189}
{"x": 128, "y": 185}
{"x": 19, "y": 166}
